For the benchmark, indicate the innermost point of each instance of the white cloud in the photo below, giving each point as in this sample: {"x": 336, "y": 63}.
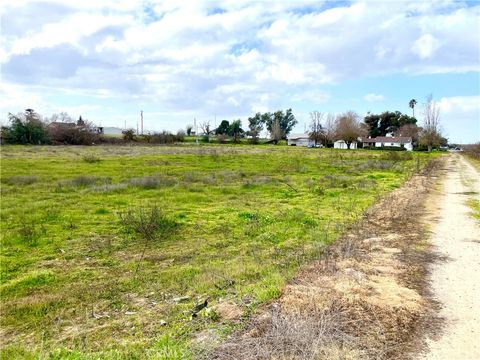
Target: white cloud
{"x": 460, "y": 118}
{"x": 425, "y": 46}
{"x": 229, "y": 56}
{"x": 374, "y": 97}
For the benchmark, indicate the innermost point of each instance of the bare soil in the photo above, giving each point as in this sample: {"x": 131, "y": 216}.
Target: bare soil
{"x": 455, "y": 281}
{"x": 367, "y": 297}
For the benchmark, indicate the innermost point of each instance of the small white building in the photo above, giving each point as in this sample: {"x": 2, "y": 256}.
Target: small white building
{"x": 300, "y": 140}
{"x": 389, "y": 141}
{"x": 341, "y": 144}
{"x": 112, "y": 131}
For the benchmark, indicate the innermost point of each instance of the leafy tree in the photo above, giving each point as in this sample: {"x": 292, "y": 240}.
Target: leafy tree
{"x": 129, "y": 135}
{"x": 25, "y": 128}
{"x": 222, "y": 128}
{"x": 286, "y": 121}
{"x": 348, "y": 127}
{"x": 235, "y": 130}
{"x": 189, "y": 130}
{"x": 387, "y": 122}
{"x": 412, "y": 104}
{"x": 256, "y": 125}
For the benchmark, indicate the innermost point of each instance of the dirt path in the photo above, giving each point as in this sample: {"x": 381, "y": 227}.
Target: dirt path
{"x": 456, "y": 280}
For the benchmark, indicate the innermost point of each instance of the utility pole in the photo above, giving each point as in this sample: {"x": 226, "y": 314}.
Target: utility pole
{"x": 195, "y": 126}
{"x": 141, "y": 120}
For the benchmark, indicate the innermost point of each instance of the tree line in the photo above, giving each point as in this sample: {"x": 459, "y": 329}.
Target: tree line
{"x": 324, "y": 128}
{"x": 30, "y": 128}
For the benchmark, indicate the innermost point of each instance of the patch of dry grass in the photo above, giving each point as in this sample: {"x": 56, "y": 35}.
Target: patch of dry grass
{"x": 364, "y": 298}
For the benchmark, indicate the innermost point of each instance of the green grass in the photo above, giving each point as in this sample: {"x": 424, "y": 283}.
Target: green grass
{"x": 241, "y": 220}
{"x": 474, "y": 204}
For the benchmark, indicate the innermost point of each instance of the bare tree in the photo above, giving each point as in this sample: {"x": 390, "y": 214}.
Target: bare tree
{"x": 409, "y": 130}
{"x": 317, "y": 132}
{"x": 276, "y": 132}
{"x": 329, "y": 128}
{"x": 348, "y": 127}
{"x": 205, "y": 126}
{"x": 431, "y": 135}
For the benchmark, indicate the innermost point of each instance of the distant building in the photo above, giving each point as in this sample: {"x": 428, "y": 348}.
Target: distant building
{"x": 300, "y": 140}
{"x": 389, "y": 141}
{"x": 112, "y": 131}
{"x": 342, "y": 144}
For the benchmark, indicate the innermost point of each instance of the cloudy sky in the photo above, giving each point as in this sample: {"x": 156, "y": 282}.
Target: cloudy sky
{"x": 177, "y": 60}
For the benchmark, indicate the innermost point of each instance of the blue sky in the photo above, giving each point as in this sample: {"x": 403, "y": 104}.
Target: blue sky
{"x": 106, "y": 60}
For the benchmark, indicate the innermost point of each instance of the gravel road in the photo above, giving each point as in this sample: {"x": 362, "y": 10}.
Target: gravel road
{"x": 456, "y": 280}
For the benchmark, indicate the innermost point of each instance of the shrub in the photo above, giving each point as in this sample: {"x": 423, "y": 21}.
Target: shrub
{"x": 90, "y": 158}
{"x": 29, "y": 232}
{"x": 71, "y": 134}
{"x": 84, "y": 180}
{"x": 151, "y": 182}
{"x": 129, "y": 135}
{"x": 396, "y": 156}
{"x": 147, "y": 223}
{"x": 166, "y": 137}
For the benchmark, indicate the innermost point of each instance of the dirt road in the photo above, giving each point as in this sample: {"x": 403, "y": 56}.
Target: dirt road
{"x": 455, "y": 281}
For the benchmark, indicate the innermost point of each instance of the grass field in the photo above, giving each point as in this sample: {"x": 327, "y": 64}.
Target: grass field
{"x": 81, "y": 278}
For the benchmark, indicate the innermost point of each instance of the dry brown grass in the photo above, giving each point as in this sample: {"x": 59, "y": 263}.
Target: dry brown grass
{"x": 364, "y": 298}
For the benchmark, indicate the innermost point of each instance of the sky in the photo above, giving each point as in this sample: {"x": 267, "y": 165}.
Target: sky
{"x": 210, "y": 60}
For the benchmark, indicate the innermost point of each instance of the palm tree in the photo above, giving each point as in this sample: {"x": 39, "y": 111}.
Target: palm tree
{"x": 412, "y": 104}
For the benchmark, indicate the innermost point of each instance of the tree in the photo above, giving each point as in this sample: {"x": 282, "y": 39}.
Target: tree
{"x": 348, "y": 127}
{"x": 412, "y": 104}
{"x": 235, "y": 130}
{"x": 317, "y": 133}
{"x": 276, "y": 132}
{"x": 62, "y": 129}
{"x": 26, "y": 128}
{"x": 430, "y": 135}
{"x": 329, "y": 128}
{"x": 286, "y": 121}
{"x": 256, "y": 125}
{"x": 205, "y": 126}
{"x": 387, "y": 122}
{"x": 189, "y": 129}
{"x": 129, "y": 135}
{"x": 409, "y": 130}
{"x": 222, "y": 128}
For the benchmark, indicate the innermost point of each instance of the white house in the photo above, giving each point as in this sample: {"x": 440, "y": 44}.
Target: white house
{"x": 341, "y": 144}
{"x": 382, "y": 141}
{"x": 112, "y": 131}
{"x": 300, "y": 140}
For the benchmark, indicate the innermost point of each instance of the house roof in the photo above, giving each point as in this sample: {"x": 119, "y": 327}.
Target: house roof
{"x": 62, "y": 124}
{"x": 341, "y": 140}
{"x": 298, "y": 136}
{"x": 397, "y": 139}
